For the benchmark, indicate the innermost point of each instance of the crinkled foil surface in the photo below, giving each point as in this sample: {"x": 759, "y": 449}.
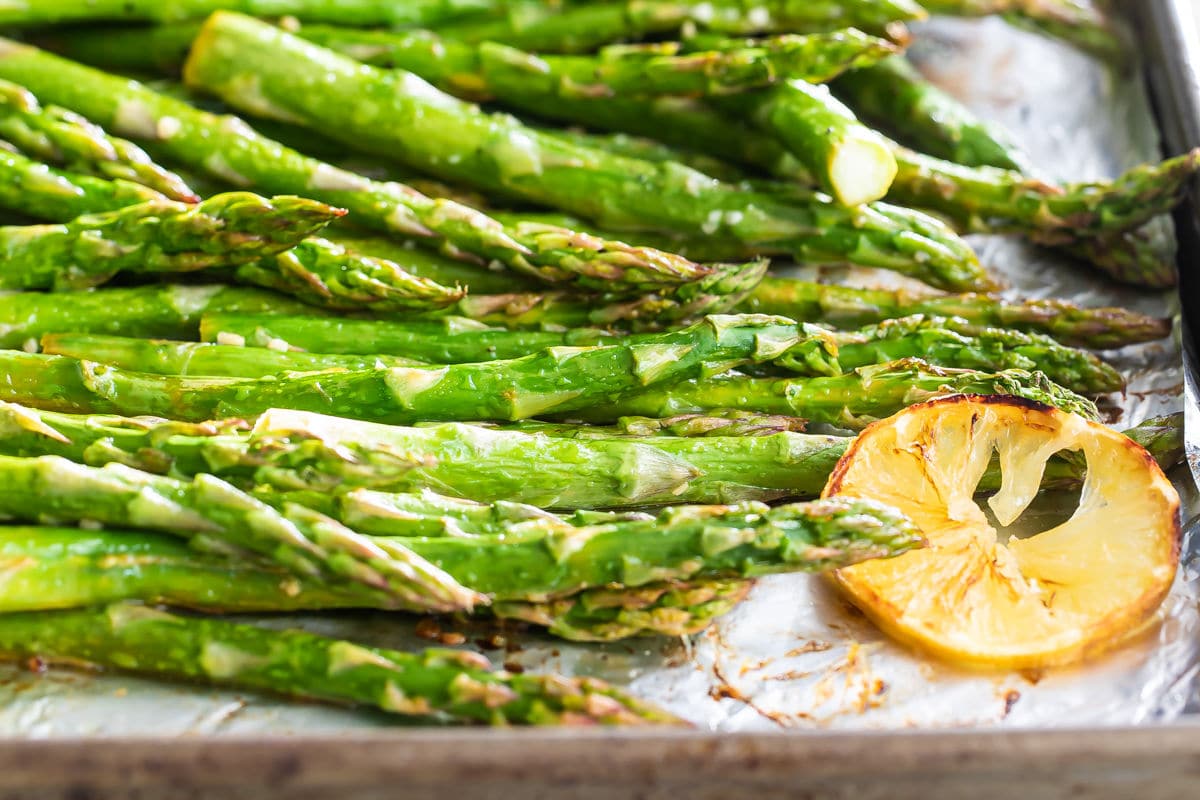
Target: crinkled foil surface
{"x": 795, "y": 655}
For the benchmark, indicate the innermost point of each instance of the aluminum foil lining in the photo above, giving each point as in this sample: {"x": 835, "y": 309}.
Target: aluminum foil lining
{"x": 795, "y": 655}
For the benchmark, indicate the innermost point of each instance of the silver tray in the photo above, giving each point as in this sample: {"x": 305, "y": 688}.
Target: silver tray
{"x": 1131, "y": 728}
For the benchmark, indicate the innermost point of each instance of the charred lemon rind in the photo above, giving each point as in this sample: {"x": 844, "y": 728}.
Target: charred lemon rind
{"x": 1056, "y": 598}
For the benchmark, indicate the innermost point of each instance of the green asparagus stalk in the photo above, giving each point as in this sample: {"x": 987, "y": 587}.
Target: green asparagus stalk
{"x": 55, "y": 134}
{"x": 157, "y": 311}
{"x": 205, "y": 509}
{"x": 845, "y": 157}
{"x": 547, "y": 559}
{"x": 232, "y": 151}
{"x": 328, "y": 275}
{"x": 942, "y": 341}
{"x": 575, "y": 466}
{"x": 557, "y": 379}
{"x": 436, "y": 683}
{"x": 1079, "y": 23}
{"x": 950, "y": 342}
{"x": 847, "y": 307}
{"x": 582, "y": 28}
{"x": 1161, "y": 436}
{"x": 893, "y": 96}
{"x": 487, "y": 70}
{"x": 43, "y": 192}
{"x": 157, "y": 236}
{"x": 497, "y": 153}
{"x": 294, "y": 451}
{"x": 345, "y": 12}
{"x": 988, "y": 200}
{"x": 73, "y": 568}
{"x": 635, "y": 70}
{"x": 849, "y": 401}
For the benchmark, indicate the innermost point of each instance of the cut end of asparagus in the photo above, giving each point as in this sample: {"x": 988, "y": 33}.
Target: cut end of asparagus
{"x": 861, "y": 171}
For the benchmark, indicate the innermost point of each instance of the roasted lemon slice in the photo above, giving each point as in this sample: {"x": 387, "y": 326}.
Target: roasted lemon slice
{"x": 970, "y": 596}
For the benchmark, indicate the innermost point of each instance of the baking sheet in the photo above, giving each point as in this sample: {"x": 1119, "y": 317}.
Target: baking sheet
{"x": 795, "y": 655}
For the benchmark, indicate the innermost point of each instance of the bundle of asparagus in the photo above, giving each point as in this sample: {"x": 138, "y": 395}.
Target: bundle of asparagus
{"x": 571, "y": 413}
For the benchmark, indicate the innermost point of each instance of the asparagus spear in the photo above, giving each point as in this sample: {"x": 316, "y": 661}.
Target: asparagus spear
{"x": 157, "y": 236}
{"x": 635, "y": 70}
{"x": 1161, "y": 436}
{"x": 73, "y": 568}
{"x": 436, "y": 683}
{"x": 206, "y": 509}
{"x": 497, "y": 153}
{"x": 844, "y": 156}
{"x": 547, "y": 559}
{"x": 556, "y": 379}
{"x": 345, "y": 12}
{"x": 941, "y": 341}
{"x": 893, "y": 96}
{"x": 55, "y": 134}
{"x": 40, "y": 191}
{"x": 984, "y": 199}
{"x": 951, "y": 342}
{"x": 487, "y": 70}
{"x": 165, "y": 311}
{"x": 584, "y": 27}
{"x": 227, "y": 148}
{"x": 295, "y": 451}
{"x": 328, "y": 275}
{"x": 849, "y": 401}
{"x": 848, "y": 307}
